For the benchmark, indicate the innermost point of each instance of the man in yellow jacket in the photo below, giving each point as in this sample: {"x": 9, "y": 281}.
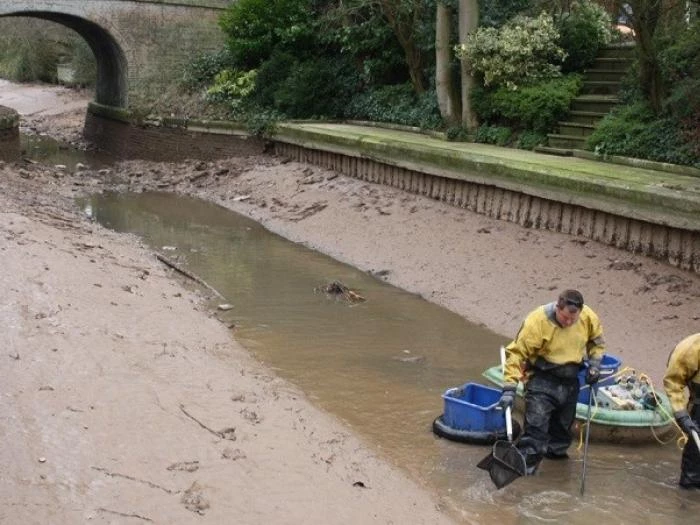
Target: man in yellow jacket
{"x": 547, "y": 354}
{"x": 683, "y": 371}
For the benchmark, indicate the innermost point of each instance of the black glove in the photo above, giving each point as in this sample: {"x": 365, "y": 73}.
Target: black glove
{"x": 686, "y": 423}
{"x": 592, "y": 375}
{"x": 507, "y": 398}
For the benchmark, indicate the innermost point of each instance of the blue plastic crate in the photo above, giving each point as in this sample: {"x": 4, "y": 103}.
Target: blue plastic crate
{"x": 609, "y": 366}
{"x": 472, "y": 407}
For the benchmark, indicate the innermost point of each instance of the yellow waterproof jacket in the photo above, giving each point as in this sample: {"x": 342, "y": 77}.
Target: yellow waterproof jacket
{"x": 683, "y": 371}
{"x": 540, "y": 336}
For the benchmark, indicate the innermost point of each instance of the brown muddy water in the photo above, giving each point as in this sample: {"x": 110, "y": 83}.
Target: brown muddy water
{"x": 382, "y": 365}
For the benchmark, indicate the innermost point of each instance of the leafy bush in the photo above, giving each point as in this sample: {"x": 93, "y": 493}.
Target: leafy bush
{"x": 458, "y": 134}
{"x": 634, "y": 131}
{"x": 536, "y": 107}
{"x": 358, "y": 29}
{"x": 319, "y": 87}
{"x": 583, "y": 31}
{"x": 232, "y": 87}
{"x": 498, "y": 135}
{"x": 261, "y": 122}
{"x": 271, "y": 75}
{"x": 397, "y": 104}
{"x": 494, "y": 13}
{"x": 530, "y": 140}
{"x": 202, "y": 70}
{"x": 255, "y": 28}
{"x": 28, "y": 60}
{"x": 523, "y": 50}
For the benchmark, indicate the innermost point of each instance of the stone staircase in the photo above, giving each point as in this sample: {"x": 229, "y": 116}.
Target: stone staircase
{"x": 601, "y": 85}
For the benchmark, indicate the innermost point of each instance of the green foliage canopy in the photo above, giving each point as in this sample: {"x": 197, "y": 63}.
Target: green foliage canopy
{"x": 256, "y": 27}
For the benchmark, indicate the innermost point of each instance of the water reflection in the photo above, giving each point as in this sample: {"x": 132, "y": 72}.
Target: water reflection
{"x": 382, "y": 365}
{"x": 44, "y": 149}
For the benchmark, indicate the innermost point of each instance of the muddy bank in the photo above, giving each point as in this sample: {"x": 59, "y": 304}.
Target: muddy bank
{"x": 126, "y": 401}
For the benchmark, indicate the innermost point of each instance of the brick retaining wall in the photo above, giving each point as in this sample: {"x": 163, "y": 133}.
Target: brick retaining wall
{"x": 165, "y": 143}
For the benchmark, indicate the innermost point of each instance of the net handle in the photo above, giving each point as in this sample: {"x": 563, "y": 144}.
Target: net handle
{"x": 509, "y": 420}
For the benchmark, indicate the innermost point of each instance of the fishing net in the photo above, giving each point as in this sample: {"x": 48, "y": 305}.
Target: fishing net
{"x": 505, "y": 464}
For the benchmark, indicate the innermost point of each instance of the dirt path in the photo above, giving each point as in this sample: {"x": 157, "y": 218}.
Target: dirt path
{"x": 127, "y": 388}
{"x": 125, "y": 401}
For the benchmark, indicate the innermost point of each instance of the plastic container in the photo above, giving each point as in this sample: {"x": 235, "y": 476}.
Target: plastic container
{"x": 609, "y": 366}
{"x": 472, "y": 407}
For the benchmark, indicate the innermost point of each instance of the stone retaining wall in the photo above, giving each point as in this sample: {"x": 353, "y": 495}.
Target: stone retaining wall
{"x": 9, "y": 134}
{"x": 679, "y": 247}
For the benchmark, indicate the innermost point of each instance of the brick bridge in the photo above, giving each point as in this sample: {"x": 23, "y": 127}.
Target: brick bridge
{"x": 139, "y": 45}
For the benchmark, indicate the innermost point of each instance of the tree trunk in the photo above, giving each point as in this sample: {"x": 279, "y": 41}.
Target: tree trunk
{"x": 446, "y": 91}
{"x": 468, "y": 22}
{"x": 645, "y": 19}
{"x": 403, "y": 21}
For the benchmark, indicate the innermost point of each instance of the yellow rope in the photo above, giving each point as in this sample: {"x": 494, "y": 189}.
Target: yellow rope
{"x": 680, "y": 442}
{"x": 682, "y": 439}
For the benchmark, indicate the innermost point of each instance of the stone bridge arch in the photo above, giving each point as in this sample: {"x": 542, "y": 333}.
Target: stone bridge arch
{"x": 140, "y": 46}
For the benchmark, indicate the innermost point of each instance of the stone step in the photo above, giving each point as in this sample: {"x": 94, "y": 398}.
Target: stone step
{"x": 620, "y": 51}
{"x": 618, "y": 64}
{"x": 555, "y": 140}
{"x": 600, "y": 87}
{"x": 586, "y": 117}
{"x": 595, "y": 103}
{"x": 575, "y": 129}
{"x": 562, "y": 152}
{"x": 605, "y": 75}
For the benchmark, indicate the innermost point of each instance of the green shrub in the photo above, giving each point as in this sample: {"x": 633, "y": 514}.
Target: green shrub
{"x": 530, "y": 140}
{"x": 634, "y": 131}
{"x": 202, "y": 70}
{"x": 523, "y": 50}
{"x": 316, "y": 88}
{"x": 261, "y": 122}
{"x": 498, "y": 135}
{"x": 28, "y": 60}
{"x": 536, "y": 107}
{"x": 583, "y": 31}
{"x": 458, "y": 134}
{"x": 255, "y": 28}
{"x": 397, "y": 104}
{"x": 271, "y": 75}
{"x": 494, "y": 13}
{"x": 232, "y": 87}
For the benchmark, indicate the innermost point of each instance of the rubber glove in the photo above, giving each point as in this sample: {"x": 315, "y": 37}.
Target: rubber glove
{"x": 507, "y": 398}
{"x": 685, "y": 422}
{"x": 592, "y": 375}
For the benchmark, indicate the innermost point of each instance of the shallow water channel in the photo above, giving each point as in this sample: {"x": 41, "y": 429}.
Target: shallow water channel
{"x": 382, "y": 365}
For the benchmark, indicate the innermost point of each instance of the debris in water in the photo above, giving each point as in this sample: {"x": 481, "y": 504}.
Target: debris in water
{"x": 339, "y": 289}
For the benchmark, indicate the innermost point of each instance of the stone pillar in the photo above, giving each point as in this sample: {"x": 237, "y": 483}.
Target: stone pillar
{"x": 9, "y": 134}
